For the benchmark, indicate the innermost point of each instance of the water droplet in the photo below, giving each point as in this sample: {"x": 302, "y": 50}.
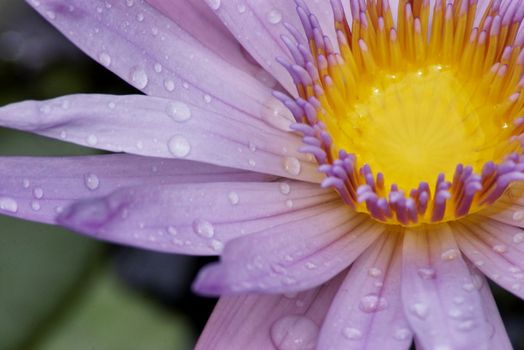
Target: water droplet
{"x": 518, "y": 215}
{"x": 500, "y": 248}
{"x": 374, "y": 272}
{"x": 285, "y": 188}
{"x": 402, "y": 334}
{"x": 292, "y": 165}
{"x": 139, "y": 77}
{"x": 252, "y": 146}
{"x": 91, "y": 181}
{"x": 420, "y": 310}
{"x": 233, "y": 198}
{"x": 289, "y": 203}
{"x": 294, "y": 332}
{"x": 178, "y": 111}
{"x": 92, "y": 140}
{"x": 466, "y": 326}
{"x": 450, "y": 254}
{"x": 140, "y": 17}
{"x": 214, "y": 4}
{"x": 130, "y": 3}
{"x": 311, "y": 266}
{"x": 8, "y": 204}
{"x": 179, "y": 146}
{"x": 274, "y": 16}
{"x": 426, "y": 273}
{"x": 50, "y": 14}
{"x": 38, "y": 193}
{"x": 372, "y": 303}
{"x": 104, "y": 59}
{"x": 169, "y": 85}
{"x": 217, "y": 245}
{"x": 26, "y": 183}
{"x": 352, "y": 333}
{"x": 518, "y": 238}
{"x": 35, "y": 205}
{"x": 241, "y": 8}
{"x": 252, "y": 163}
{"x": 172, "y": 230}
{"x": 158, "y": 67}
{"x": 203, "y": 228}
{"x": 207, "y": 98}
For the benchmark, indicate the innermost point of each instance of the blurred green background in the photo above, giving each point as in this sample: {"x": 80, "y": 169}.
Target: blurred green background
{"x": 60, "y": 291}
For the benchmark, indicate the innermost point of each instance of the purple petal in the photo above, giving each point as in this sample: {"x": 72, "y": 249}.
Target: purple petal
{"x": 155, "y": 55}
{"x": 294, "y": 256}
{"x": 367, "y": 310}
{"x": 39, "y": 189}
{"x": 441, "y": 297}
{"x": 251, "y": 321}
{"x": 259, "y": 25}
{"x": 163, "y": 128}
{"x": 509, "y": 208}
{"x": 194, "y": 219}
{"x": 496, "y": 249}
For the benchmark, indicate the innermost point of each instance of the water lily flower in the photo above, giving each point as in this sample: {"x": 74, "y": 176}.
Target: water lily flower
{"x": 356, "y": 164}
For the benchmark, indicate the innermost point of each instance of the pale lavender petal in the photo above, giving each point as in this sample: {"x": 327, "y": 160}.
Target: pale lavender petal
{"x": 367, "y": 311}
{"x": 39, "y": 189}
{"x": 155, "y": 55}
{"x": 195, "y": 218}
{"x": 160, "y": 127}
{"x": 251, "y": 321}
{"x": 197, "y": 19}
{"x": 496, "y": 249}
{"x": 509, "y": 208}
{"x": 291, "y": 257}
{"x": 441, "y": 297}
{"x": 259, "y": 25}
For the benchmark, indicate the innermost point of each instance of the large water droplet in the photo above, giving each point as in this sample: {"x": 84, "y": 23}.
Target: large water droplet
{"x": 8, "y": 204}
{"x": 178, "y": 111}
{"x": 214, "y": 4}
{"x": 139, "y": 77}
{"x": 372, "y": 303}
{"x": 292, "y": 165}
{"x": 203, "y": 228}
{"x": 91, "y": 181}
{"x": 104, "y": 59}
{"x": 352, "y": 333}
{"x": 179, "y": 146}
{"x": 294, "y": 332}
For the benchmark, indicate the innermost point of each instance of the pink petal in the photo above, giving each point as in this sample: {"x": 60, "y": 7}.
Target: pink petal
{"x": 251, "y": 321}
{"x": 292, "y": 257}
{"x": 496, "y": 249}
{"x": 367, "y": 311}
{"x": 155, "y": 55}
{"x": 194, "y": 218}
{"x": 163, "y": 128}
{"x": 259, "y": 25}
{"x": 441, "y": 297}
{"x": 39, "y": 189}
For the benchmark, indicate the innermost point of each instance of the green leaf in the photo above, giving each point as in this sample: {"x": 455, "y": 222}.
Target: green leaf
{"x": 109, "y": 317}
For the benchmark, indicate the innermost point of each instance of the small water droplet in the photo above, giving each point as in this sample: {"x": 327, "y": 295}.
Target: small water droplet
{"x": 252, "y": 146}
{"x": 139, "y": 77}
{"x": 374, "y": 272}
{"x": 294, "y": 332}
{"x": 104, "y": 59}
{"x": 500, "y": 248}
{"x": 179, "y": 146}
{"x": 518, "y": 238}
{"x": 140, "y": 17}
{"x": 92, "y": 140}
{"x": 352, "y": 333}
{"x": 26, "y": 183}
{"x": 214, "y": 4}
{"x": 172, "y": 230}
{"x": 203, "y": 228}
{"x": 420, "y": 310}
{"x": 402, "y": 334}
{"x": 252, "y": 163}
{"x": 292, "y": 165}
{"x": 217, "y": 245}
{"x": 91, "y": 181}
{"x": 207, "y": 98}
{"x": 466, "y": 325}
{"x": 178, "y": 111}
{"x": 38, "y": 193}
{"x": 426, "y": 273}
{"x": 241, "y": 8}
{"x": 274, "y": 16}
{"x": 169, "y": 85}
{"x": 285, "y": 188}
{"x": 289, "y": 203}
{"x": 157, "y": 67}
{"x": 35, "y": 205}
{"x": 450, "y": 254}
{"x": 233, "y": 198}
{"x": 372, "y": 303}
{"x": 50, "y": 14}
{"x": 8, "y": 204}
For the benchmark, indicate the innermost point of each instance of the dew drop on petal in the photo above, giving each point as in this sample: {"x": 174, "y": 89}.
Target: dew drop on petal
{"x": 139, "y": 77}
{"x": 285, "y": 188}
{"x": 233, "y": 198}
{"x": 518, "y": 215}
{"x": 372, "y": 303}
{"x": 26, "y": 183}
{"x": 178, "y": 111}
{"x": 294, "y": 333}
{"x": 518, "y": 238}
{"x": 203, "y": 228}
{"x": 169, "y": 85}
{"x": 91, "y": 181}
{"x": 92, "y": 140}
{"x": 214, "y": 4}
{"x": 500, "y": 248}
{"x": 104, "y": 59}
{"x": 402, "y": 334}
{"x": 374, "y": 272}
{"x": 420, "y": 310}
{"x": 450, "y": 254}
{"x": 217, "y": 245}
{"x": 8, "y": 204}
{"x": 38, "y": 193}
{"x": 241, "y": 8}
{"x": 426, "y": 273}
{"x": 172, "y": 230}
{"x": 274, "y": 16}
{"x": 179, "y": 146}
{"x": 292, "y": 165}
{"x": 352, "y": 333}
{"x": 35, "y": 205}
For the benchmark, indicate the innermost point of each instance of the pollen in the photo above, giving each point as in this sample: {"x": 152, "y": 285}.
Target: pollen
{"x": 414, "y": 114}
